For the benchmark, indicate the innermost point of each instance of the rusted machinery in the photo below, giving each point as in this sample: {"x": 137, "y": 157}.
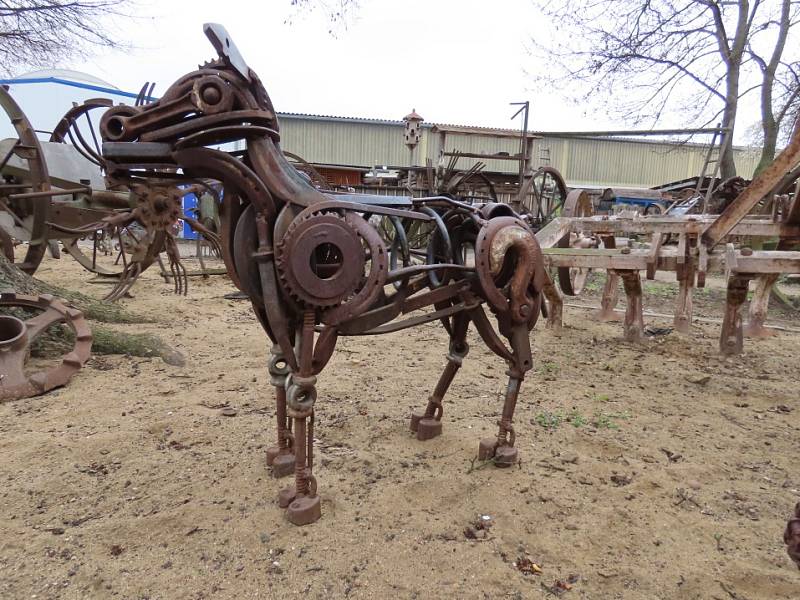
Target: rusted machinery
{"x": 17, "y": 335}
{"x": 53, "y": 192}
{"x": 572, "y": 245}
{"x": 313, "y": 264}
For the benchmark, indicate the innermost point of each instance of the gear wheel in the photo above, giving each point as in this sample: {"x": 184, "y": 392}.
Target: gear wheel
{"x": 17, "y": 335}
{"x": 159, "y": 208}
{"x": 320, "y": 259}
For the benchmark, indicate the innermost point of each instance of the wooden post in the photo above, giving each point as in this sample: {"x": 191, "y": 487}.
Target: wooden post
{"x": 633, "y": 325}
{"x": 730, "y": 341}
{"x": 683, "y": 303}
{"x": 757, "y": 314}
{"x": 610, "y": 299}
{"x": 555, "y": 305}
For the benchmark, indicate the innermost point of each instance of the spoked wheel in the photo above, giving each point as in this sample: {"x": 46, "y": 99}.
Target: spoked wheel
{"x": 572, "y": 280}
{"x": 23, "y": 171}
{"x": 108, "y": 252}
{"x": 105, "y": 252}
{"x": 318, "y": 180}
{"x": 549, "y": 193}
{"x": 77, "y": 128}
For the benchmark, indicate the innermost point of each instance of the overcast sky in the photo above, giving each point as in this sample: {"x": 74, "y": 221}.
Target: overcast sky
{"x": 455, "y": 61}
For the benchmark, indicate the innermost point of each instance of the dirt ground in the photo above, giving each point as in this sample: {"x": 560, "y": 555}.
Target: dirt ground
{"x": 647, "y": 471}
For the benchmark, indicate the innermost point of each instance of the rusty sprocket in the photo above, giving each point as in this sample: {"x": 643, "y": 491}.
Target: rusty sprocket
{"x": 17, "y": 335}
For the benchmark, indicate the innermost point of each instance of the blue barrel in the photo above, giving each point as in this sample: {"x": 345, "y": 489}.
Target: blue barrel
{"x": 189, "y": 208}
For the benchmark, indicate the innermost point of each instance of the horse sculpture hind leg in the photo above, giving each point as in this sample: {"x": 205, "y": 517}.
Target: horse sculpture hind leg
{"x": 428, "y": 424}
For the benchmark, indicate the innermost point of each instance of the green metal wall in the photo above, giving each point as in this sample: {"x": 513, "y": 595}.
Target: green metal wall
{"x": 583, "y": 162}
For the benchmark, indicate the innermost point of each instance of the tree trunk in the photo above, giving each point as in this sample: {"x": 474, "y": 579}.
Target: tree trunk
{"x": 769, "y": 123}
{"x": 769, "y": 148}
{"x": 728, "y": 164}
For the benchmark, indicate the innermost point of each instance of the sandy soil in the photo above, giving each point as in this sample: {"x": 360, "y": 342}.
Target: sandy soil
{"x": 652, "y": 471}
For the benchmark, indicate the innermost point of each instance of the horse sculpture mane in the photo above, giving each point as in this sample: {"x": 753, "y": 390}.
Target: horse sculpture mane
{"x": 315, "y": 267}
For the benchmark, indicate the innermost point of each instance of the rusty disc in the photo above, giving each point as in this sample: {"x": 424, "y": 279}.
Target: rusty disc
{"x": 320, "y": 260}
{"x": 16, "y": 336}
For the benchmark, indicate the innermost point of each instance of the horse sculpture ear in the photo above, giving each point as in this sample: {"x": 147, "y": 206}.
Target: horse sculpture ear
{"x": 226, "y": 49}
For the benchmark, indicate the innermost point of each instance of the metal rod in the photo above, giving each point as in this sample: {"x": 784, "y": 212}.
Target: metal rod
{"x": 50, "y": 193}
{"x": 630, "y": 132}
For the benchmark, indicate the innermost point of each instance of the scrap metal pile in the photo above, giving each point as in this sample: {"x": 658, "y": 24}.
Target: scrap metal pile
{"x": 313, "y": 263}
{"x": 17, "y": 334}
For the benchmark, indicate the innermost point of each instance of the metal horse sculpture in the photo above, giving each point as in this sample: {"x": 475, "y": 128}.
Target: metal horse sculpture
{"x": 314, "y": 265}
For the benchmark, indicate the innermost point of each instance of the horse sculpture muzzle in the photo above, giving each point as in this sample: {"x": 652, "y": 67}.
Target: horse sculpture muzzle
{"x": 315, "y": 266}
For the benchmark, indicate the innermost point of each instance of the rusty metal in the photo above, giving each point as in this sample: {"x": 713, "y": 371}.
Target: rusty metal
{"x": 755, "y": 192}
{"x": 17, "y": 335}
{"x": 126, "y": 231}
{"x": 29, "y": 220}
{"x": 314, "y": 265}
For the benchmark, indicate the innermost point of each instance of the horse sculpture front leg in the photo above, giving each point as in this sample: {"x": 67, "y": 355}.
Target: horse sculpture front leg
{"x": 281, "y": 456}
{"x": 301, "y": 502}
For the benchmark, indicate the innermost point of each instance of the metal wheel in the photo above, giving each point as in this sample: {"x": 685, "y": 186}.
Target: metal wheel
{"x": 106, "y": 252}
{"x": 17, "y": 335}
{"x": 77, "y": 128}
{"x": 548, "y": 193}
{"x": 318, "y": 180}
{"x": 23, "y": 171}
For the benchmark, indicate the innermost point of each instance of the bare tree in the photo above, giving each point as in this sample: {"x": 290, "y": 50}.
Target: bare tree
{"x": 339, "y": 13}
{"x": 697, "y": 57}
{"x": 780, "y": 86}
{"x": 45, "y": 32}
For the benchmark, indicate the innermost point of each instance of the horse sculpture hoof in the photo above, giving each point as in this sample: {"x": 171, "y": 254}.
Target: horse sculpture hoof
{"x": 272, "y": 453}
{"x": 791, "y": 536}
{"x": 416, "y": 417}
{"x": 505, "y": 456}
{"x": 304, "y": 510}
{"x": 487, "y": 448}
{"x": 286, "y": 496}
{"x": 428, "y": 428}
{"x": 283, "y": 465}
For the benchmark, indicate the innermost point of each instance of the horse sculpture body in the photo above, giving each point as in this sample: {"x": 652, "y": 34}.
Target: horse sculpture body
{"x": 315, "y": 267}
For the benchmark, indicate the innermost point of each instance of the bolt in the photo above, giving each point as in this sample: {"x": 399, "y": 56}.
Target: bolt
{"x": 211, "y": 95}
